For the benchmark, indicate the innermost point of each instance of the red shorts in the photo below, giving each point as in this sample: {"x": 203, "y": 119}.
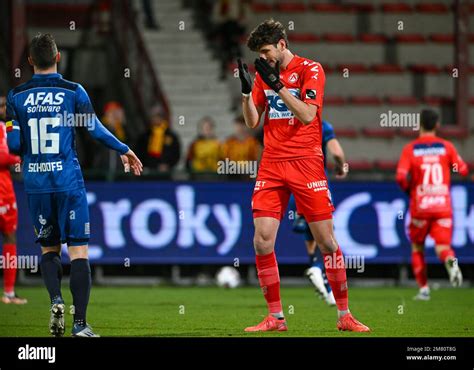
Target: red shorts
{"x": 8, "y": 217}
{"x": 305, "y": 178}
{"x": 440, "y": 229}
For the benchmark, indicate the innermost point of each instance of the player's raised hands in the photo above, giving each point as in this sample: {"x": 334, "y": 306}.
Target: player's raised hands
{"x": 131, "y": 161}
{"x": 270, "y": 75}
{"x": 245, "y": 78}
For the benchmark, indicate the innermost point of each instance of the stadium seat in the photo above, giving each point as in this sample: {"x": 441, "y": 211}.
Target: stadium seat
{"x": 353, "y": 68}
{"x": 366, "y": 100}
{"x": 396, "y": 8}
{"x": 373, "y": 38}
{"x": 380, "y": 132}
{"x": 360, "y": 165}
{"x": 453, "y": 132}
{"x": 410, "y": 38}
{"x": 442, "y": 38}
{"x": 291, "y": 7}
{"x": 303, "y": 37}
{"x": 432, "y": 8}
{"x": 261, "y": 7}
{"x": 387, "y": 68}
{"x": 437, "y": 100}
{"x": 338, "y": 37}
{"x": 408, "y": 133}
{"x": 362, "y": 8}
{"x": 386, "y": 165}
{"x": 330, "y": 8}
{"x": 424, "y": 68}
{"x": 402, "y": 100}
{"x": 348, "y": 132}
{"x": 334, "y": 100}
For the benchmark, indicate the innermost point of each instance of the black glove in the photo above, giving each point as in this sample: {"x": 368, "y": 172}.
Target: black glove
{"x": 271, "y": 76}
{"x": 245, "y": 78}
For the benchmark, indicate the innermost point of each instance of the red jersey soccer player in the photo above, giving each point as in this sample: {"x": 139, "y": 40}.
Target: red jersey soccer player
{"x": 289, "y": 89}
{"x": 424, "y": 170}
{"x": 8, "y": 213}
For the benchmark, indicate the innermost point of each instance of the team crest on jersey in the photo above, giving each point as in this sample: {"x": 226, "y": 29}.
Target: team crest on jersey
{"x": 293, "y": 77}
{"x": 277, "y": 109}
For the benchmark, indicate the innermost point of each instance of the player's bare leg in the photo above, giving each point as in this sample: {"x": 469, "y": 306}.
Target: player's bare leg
{"x": 80, "y": 285}
{"x": 264, "y": 243}
{"x": 9, "y": 274}
{"x": 419, "y": 271}
{"x": 323, "y": 233}
{"x": 446, "y": 254}
{"x": 51, "y": 271}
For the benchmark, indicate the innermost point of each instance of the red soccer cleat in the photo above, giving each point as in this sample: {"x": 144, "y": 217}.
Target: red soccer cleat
{"x": 269, "y": 323}
{"x": 13, "y": 300}
{"x": 349, "y": 323}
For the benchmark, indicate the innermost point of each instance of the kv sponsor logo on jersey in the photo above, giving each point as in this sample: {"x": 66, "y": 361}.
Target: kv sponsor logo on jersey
{"x": 44, "y": 102}
{"x": 277, "y": 109}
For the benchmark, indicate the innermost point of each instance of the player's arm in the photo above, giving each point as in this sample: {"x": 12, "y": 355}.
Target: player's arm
{"x": 251, "y": 111}
{"x": 304, "y": 109}
{"x": 12, "y": 127}
{"x": 337, "y": 153}
{"x": 403, "y": 169}
{"x": 7, "y": 159}
{"x": 100, "y": 133}
{"x": 457, "y": 163}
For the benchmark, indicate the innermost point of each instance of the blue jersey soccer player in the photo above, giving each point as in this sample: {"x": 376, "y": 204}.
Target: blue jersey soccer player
{"x": 316, "y": 272}
{"x": 41, "y": 118}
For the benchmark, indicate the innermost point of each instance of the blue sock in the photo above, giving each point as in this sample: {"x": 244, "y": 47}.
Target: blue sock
{"x": 80, "y": 284}
{"x": 52, "y": 272}
{"x": 315, "y": 261}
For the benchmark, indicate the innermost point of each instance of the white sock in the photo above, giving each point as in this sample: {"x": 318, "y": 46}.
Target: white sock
{"x": 278, "y": 315}
{"x": 342, "y": 313}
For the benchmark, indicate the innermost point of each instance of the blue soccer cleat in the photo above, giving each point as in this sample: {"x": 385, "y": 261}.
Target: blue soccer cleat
{"x": 84, "y": 331}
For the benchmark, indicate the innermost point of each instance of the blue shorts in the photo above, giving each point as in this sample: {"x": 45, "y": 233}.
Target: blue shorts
{"x": 61, "y": 217}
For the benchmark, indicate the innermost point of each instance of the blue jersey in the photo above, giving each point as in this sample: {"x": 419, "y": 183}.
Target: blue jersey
{"x": 328, "y": 134}
{"x": 42, "y": 115}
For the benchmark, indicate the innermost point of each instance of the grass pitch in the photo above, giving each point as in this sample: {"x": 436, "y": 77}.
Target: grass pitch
{"x": 214, "y": 312}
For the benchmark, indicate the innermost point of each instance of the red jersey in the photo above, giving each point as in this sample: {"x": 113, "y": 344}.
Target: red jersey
{"x": 285, "y": 137}
{"x": 428, "y": 161}
{"x": 6, "y": 160}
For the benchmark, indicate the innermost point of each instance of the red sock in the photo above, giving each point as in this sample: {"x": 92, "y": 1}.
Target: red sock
{"x": 336, "y": 275}
{"x": 9, "y": 274}
{"x": 419, "y": 268}
{"x": 269, "y": 278}
{"x": 445, "y": 254}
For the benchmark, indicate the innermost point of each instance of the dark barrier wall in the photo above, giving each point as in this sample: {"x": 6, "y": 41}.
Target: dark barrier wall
{"x": 205, "y": 223}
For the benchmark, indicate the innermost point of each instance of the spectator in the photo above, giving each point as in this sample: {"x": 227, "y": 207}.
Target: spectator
{"x": 241, "y": 146}
{"x": 114, "y": 120}
{"x": 204, "y": 151}
{"x": 229, "y": 17}
{"x": 150, "y": 20}
{"x": 159, "y": 146}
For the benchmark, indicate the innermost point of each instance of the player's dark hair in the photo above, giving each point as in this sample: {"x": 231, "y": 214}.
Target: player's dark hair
{"x": 268, "y": 32}
{"x": 43, "y": 51}
{"x": 428, "y": 119}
